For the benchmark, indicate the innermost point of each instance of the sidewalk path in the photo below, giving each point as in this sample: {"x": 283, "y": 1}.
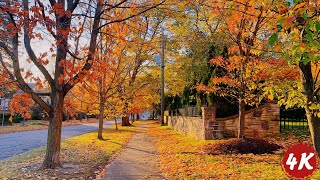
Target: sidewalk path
{"x": 138, "y": 159}
{"x": 16, "y": 143}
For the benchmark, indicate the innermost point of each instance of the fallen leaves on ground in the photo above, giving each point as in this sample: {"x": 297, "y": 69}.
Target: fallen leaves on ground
{"x": 40, "y": 124}
{"x": 18, "y": 128}
{"x": 82, "y": 157}
{"x": 183, "y": 158}
{"x": 290, "y": 138}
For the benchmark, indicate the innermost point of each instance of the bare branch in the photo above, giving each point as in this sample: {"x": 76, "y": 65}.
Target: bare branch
{"x": 129, "y": 17}
{"x": 72, "y": 5}
{"x": 52, "y": 2}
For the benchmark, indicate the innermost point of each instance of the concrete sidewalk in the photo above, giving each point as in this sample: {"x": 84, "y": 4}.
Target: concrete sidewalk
{"x": 138, "y": 160}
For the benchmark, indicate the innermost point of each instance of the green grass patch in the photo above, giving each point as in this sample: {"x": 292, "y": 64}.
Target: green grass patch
{"x": 294, "y": 125}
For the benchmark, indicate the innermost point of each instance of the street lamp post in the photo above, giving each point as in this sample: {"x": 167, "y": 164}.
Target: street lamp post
{"x": 162, "y": 78}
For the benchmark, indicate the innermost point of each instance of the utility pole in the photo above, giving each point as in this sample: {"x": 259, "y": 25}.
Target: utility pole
{"x": 162, "y": 78}
{"x": 2, "y": 111}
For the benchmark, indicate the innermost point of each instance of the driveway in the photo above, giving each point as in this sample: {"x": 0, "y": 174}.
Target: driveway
{"x": 17, "y": 143}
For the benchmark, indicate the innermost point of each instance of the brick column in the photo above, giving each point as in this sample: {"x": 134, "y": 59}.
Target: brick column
{"x": 208, "y": 116}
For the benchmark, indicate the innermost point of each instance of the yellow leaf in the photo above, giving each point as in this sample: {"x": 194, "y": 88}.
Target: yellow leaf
{"x": 270, "y": 96}
{"x": 313, "y": 106}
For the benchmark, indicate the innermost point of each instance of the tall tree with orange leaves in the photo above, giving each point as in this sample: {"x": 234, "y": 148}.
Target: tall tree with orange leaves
{"x": 107, "y": 74}
{"x": 60, "y": 27}
{"x": 245, "y": 67}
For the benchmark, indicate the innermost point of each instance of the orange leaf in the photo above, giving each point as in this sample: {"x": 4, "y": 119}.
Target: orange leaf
{"x": 299, "y": 6}
{"x": 290, "y": 19}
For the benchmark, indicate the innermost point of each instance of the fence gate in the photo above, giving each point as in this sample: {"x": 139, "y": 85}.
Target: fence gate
{"x": 293, "y": 119}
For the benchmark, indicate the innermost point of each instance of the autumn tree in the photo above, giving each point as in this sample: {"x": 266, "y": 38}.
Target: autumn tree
{"x": 297, "y": 37}
{"x": 144, "y": 44}
{"x": 78, "y": 101}
{"x": 245, "y": 24}
{"x": 192, "y": 28}
{"x": 60, "y": 83}
{"x": 118, "y": 77}
{"x": 106, "y": 76}
{"x": 146, "y": 92}
{"x": 117, "y": 68}
{"x": 60, "y": 21}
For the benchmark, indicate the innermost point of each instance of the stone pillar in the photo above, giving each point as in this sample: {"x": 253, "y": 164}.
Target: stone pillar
{"x": 208, "y": 117}
{"x": 274, "y": 119}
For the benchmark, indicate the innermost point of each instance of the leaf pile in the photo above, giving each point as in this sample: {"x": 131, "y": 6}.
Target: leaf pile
{"x": 242, "y": 146}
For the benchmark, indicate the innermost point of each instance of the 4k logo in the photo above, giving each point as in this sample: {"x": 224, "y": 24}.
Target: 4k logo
{"x": 300, "y": 161}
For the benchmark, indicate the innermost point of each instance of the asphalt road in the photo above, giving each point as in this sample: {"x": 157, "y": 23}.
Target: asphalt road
{"x": 16, "y": 143}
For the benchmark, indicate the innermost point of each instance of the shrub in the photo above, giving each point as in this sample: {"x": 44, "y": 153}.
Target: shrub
{"x": 17, "y": 118}
{"x": 6, "y": 120}
{"x": 37, "y": 112}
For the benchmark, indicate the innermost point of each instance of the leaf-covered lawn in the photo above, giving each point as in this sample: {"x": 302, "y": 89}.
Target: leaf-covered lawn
{"x": 82, "y": 157}
{"x": 183, "y": 158}
{"x": 39, "y": 125}
{"x": 12, "y": 129}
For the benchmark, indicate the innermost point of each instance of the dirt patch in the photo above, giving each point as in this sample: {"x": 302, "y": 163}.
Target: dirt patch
{"x": 242, "y": 146}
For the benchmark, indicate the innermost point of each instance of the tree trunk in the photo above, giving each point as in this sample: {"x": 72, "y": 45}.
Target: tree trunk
{"x": 125, "y": 121}
{"x": 241, "y": 118}
{"x": 308, "y": 91}
{"x": 314, "y": 127}
{"x": 138, "y": 116}
{"x": 101, "y": 119}
{"x": 198, "y": 100}
{"x": 80, "y": 117}
{"x": 116, "y": 123}
{"x": 132, "y": 118}
{"x": 2, "y": 123}
{"x": 52, "y": 158}
{"x": 68, "y": 117}
{"x": 22, "y": 122}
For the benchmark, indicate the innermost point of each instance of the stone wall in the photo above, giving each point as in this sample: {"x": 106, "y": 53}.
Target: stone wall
{"x": 187, "y": 126}
{"x": 260, "y": 122}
